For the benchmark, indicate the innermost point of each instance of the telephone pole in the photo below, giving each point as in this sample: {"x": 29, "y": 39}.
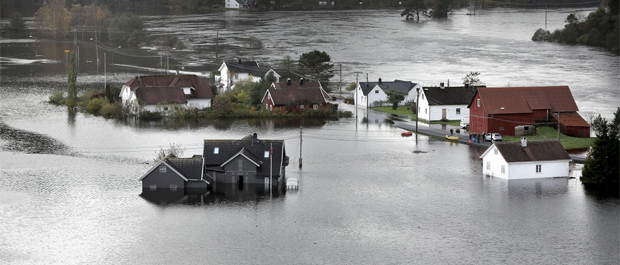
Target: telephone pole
{"x": 301, "y": 130}
{"x": 340, "y": 84}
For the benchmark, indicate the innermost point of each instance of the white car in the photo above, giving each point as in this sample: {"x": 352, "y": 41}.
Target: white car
{"x": 465, "y": 123}
{"x": 496, "y": 137}
{"x": 292, "y": 184}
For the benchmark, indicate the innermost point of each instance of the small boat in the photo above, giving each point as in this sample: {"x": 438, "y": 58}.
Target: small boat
{"x": 452, "y": 137}
{"x": 406, "y": 134}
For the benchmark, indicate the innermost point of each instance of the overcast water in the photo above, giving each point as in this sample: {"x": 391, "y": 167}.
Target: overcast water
{"x": 367, "y": 195}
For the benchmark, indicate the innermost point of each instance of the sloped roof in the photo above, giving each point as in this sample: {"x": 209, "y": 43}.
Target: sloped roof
{"x": 160, "y": 95}
{"x": 253, "y": 70}
{"x": 230, "y": 148}
{"x": 191, "y": 168}
{"x": 202, "y": 89}
{"x": 546, "y": 150}
{"x": 296, "y": 96}
{"x": 526, "y": 99}
{"x": 307, "y": 84}
{"x": 449, "y": 95}
{"x": 399, "y": 86}
{"x": 571, "y": 119}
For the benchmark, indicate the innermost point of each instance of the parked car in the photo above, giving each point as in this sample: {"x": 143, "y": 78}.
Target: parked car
{"x": 292, "y": 184}
{"x": 494, "y": 137}
{"x": 465, "y": 123}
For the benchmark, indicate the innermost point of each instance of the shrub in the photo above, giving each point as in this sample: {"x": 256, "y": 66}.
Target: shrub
{"x": 111, "y": 110}
{"x": 94, "y": 106}
{"x": 148, "y": 115}
{"x": 57, "y": 98}
{"x": 345, "y": 114}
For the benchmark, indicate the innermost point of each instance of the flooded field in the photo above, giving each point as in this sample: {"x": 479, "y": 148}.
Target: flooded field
{"x": 367, "y": 195}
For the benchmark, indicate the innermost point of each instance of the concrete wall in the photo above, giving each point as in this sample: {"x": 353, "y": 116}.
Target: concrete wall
{"x": 163, "y": 180}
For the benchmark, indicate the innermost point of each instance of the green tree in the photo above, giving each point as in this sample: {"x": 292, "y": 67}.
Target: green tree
{"x": 602, "y": 168}
{"x": 108, "y": 93}
{"x": 440, "y": 8}
{"x": 126, "y": 29}
{"x": 222, "y": 103}
{"x": 72, "y": 84}
{"x": 351, "y": 86}
{"x": 472, "y": 79}
{"x": 394, "y": 98}
{"x": 317, "y": 65}
{"x": 413, "y": 9}
{"x": 17, "y": 26}
{"x": 287, "y": 64}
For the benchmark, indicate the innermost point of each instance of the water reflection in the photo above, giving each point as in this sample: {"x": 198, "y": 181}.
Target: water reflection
{"x": 220, "y": 194}
{"x": 522, "y": 188}
{"x": 226, "y": 124}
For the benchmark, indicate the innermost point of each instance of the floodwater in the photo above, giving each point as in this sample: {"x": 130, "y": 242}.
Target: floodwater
{"x": 367, "y": 195}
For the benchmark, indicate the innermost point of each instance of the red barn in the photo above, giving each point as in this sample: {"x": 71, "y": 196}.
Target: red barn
{"x": 501, "y": 109}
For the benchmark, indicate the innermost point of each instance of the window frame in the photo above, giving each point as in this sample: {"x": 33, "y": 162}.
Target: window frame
{"x": 458, "y": 111}
{"x": 478, "y": 103}
{"x": 266, "y": 154}
{"x": 216, "y": 150}
{"x": 163, "y": 169}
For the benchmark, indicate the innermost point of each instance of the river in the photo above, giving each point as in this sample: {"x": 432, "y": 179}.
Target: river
{"x": 367, "y": 195}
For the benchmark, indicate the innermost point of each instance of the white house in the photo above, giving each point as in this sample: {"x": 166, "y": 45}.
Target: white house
{"x": 536, "y": 159}
{"x": 372, "y": 94}
{"x": 235, "y": 4}
{"x": 166, "y": 92}
{"x": 444, "y": 103}
{"x": 233, "y": 72}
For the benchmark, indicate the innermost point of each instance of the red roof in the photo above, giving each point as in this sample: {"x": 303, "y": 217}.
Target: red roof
{"x": 297, "y": 96}
{"x": 545, "y": 150}
{"x": 202, "y": 89}
{"x": 526, "y": 99}
{"x": 160, "y": 95}
{"x": 571, "y": 120}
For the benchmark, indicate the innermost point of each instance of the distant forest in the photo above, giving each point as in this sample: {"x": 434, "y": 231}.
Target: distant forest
{"x": 29, "y": 7}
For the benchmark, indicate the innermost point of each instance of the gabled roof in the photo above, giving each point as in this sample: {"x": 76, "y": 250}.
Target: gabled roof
{"x": 160, "y": 95}
{"x": 167, "y": 165}
{"x": 191, "y": 168}
{"x": 306, "y": 84}
{"x": 571, "y": 119}
{"x": 297, "y": 96}
{"x": 527, "y": 99}
{"x": 449, "y": 95}
{"x": 251, "y": 68}
{"x": 202, "y": 89}
{"x": 229, "y": 148}
{"x": 399, "y": 86}
{"x": 545, "y": 150}
{"x": 245, "y": 153}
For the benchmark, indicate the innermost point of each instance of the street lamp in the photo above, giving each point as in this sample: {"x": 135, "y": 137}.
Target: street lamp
{"x": 491, "y": 129}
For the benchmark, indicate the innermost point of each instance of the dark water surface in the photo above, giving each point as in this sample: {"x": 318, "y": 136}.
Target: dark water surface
{"x": 365, "y": 196}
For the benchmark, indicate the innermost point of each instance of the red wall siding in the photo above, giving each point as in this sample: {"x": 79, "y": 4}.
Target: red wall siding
{"x": 541, "y": 115}
{"x": 583, "y": 132}
{"x": 477, "y": 117}
{"x": 267, "y": 100}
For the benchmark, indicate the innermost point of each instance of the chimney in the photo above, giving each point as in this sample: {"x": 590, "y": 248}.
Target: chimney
{"x": 523, "y": 142}
{"x": 288, "y": 81}
{"x": 301, "y": 81}
{"x": 379, "y": 80}
{"x": 448, "y": 82}
{"x": 466, "y": 86}
{"x": 254, "y": 139}
{"x": 441, "y": 85}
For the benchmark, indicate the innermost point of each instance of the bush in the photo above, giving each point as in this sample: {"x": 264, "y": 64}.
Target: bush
{"x": 111, "y": 110}
{"x": 148, "y": 115}
{"x": 541, "y": 35}
{"x": 57, "y": 98}
{"x": 345, "y": 114}
{"x": 94, "y": 106}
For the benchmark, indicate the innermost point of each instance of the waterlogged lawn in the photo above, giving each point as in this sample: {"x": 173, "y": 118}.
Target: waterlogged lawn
{"x": 401, "y": 110}
{"x": 549, "y": 133}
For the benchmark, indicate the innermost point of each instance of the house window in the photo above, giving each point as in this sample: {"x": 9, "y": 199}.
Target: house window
{"x": 315, "y": 106}
{"x": 501, "y": 128}
{"x": 425, "y": 110}
{"x": 173, "y": 187}
{"x": 266, "y": 154}
{"x": 478, "y": 103}
{"x": 152, "y": 187}
{"x": 266, "y": 106}
{"x": 236, "y": 76}
{"x": 216, "y": 150}
{"x": 488, "y": 165}
{"x": 165, "y": 108}
{"x": 162, "y": 169}
{"x": 240, "y": 164}
{"x": 503, "y": 169}
{"x": 422, "y": 96}
{"x": 458, "y": 110}
{"x": 526, "y": 128}
{"x": 495, "y": 151}
{"x": 377, "y": 91}
{"x": 538, "y": 168}
{"x": 301, "y": 106}
{"x": 270, "y": 107}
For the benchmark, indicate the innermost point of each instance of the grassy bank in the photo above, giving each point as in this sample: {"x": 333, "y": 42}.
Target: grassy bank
{"x": 549, "y": 133}
{"x": 452, "y": 122}
{"x": 401, "y": 110}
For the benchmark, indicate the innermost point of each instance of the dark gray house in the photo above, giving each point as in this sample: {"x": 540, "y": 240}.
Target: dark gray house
{"x": 173, "y": 173}
{"x": 237, "y": 163}
{"x": 249, "y": 161}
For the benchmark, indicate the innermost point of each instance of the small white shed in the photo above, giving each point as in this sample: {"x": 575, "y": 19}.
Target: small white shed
{"x": 536, "y": 159}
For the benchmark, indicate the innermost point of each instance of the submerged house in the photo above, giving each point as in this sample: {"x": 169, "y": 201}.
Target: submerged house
{"x": 296, "y": 96}
{"x": 536, "y": 159}
{"x": 166, "y": 93}
{"x": 233, "y": 72}
{"x": 373, "y": 94}
{"x": 444, "y": 103}
{"x": 238, "y": 163}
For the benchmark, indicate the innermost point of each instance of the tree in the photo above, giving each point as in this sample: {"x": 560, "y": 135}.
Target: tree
{"x": 317, "y": 65}
{"x": 440, "y": 8}
{"x": 413, "y": 8}
{"x": 17, "y": 26}
{"x": 108, "y": 93}
{"x": 53, "y": 17}
{"x": 351, "y": 86}
{"x": 601, "y": 168}
{"x": 126, "y": 29}
{"x": 394, "y": 98}
{"x": 173, "y": 150}
{"x": 472, "y": 79}
{"x": 288, "y": 64}
{"x": 92, "y": 17}
{"x": 72, "y": 84}
{"x": 222, "y": 103}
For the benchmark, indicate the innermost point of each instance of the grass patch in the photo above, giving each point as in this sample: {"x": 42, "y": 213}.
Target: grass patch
{"x": 401, "y": 110}
{"x": 452, "y": 122}
{"x": 549, "y": 133}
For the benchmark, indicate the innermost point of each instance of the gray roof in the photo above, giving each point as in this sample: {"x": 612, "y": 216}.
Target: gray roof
{"x": 230, "y": 148}
{"x": 399, "y": 86}
{"x": 546, "y": 150}
{"x": 191, "y": 168}
{"x": 254, "y": 70}
{"x": 449, "y": 95}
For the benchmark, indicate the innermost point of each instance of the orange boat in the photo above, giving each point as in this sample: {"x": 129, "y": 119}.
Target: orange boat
{"x": 406, "y": 134}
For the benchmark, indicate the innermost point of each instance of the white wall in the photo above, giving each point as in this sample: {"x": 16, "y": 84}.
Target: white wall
{"x": 436, "y": 112}
{"x": 549, "y": 169}
{"x": 496, "y": 161}
{"x": 232, "y": 4}
{"x": 380, "y": 96}
{"x": 423, "y": 107}
{"x": 198, "y": 103}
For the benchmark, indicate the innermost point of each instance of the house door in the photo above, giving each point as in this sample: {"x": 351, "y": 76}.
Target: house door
{"x": 240, "y": 183}
{"x": 443, "y": 114}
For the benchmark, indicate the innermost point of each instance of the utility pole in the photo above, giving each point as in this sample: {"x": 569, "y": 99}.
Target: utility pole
{"x": 217, "y": 43}
{"x": 97, "y": 51}
{"x": 301, "y": 130}
{"x": 340, "y": 84}
{"x": 559, "y": 127}
{"x": 417, "y": 111}
{"x": 545, "y": 16}
{"x": 105, "y": 71}
{"x": 356, "y": 96}
{"x": 271, "y": 171}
